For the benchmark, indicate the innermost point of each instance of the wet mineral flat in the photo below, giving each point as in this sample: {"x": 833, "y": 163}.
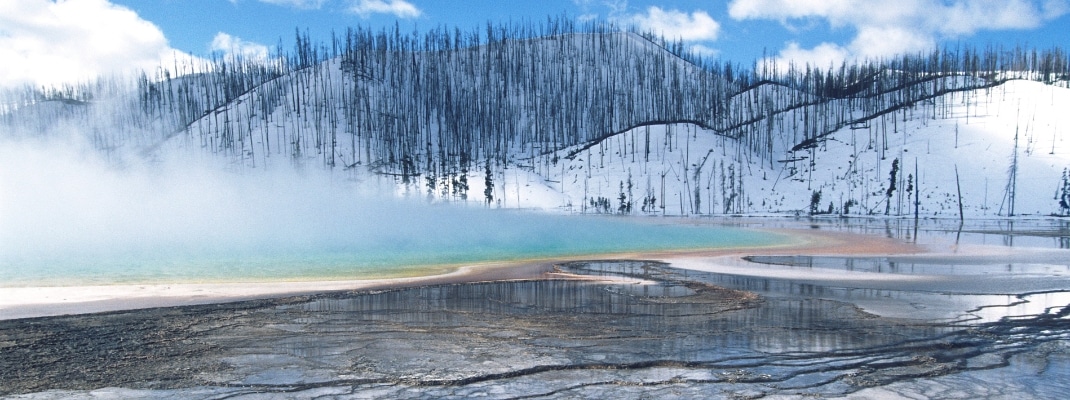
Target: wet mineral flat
{"x": 647, "y": 330}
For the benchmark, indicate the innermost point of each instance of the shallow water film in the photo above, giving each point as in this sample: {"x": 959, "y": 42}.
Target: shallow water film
{"x": 397, "y": 247}
{"x": 648, "y": 329}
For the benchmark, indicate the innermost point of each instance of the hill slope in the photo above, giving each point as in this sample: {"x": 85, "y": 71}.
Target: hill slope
{"x": 607, "y": 122}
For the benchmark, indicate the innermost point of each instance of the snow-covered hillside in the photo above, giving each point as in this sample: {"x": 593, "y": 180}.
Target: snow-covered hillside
{"x": 606, "y": 122}
{"x": 683, "y": 169}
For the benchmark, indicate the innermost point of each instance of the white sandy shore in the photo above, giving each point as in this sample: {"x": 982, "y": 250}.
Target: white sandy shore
{"x": 27, "y": 302}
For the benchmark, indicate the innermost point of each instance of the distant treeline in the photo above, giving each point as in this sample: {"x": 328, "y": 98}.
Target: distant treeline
{"x": 434, "y": 102}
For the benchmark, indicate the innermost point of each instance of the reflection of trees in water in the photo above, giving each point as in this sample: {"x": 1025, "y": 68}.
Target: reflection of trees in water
{"x": 1009, "y": 233}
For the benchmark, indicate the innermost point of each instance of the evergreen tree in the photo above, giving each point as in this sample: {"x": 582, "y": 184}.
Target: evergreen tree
{"x": 488, "y": 180}
{"x": 891, "y": 186}
{"x": 815, "y": 202}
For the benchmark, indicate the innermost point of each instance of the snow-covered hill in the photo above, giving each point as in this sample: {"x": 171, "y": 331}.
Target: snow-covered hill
{"x": 606, "y": 122}
{"x": 688, "y": 170}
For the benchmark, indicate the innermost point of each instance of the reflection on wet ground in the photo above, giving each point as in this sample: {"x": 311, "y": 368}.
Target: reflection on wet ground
{"x": 650, "y": 331}
{"x": 1041, "y": 264}
{"x": 1036, "y": 232}
{"x": 948, "y": 289}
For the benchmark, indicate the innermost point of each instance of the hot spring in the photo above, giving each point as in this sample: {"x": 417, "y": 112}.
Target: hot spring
{"x": 69, "y": 217}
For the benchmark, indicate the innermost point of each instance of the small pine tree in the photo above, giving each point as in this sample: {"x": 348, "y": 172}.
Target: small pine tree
{"x": 847, "y": 206}
{"x": 488, "y": 192}
{"x": 431, "y": 181}
{"x": 891, "y": 186}
{"x": 462, "y": 181}
{"x": 815, "y": 202}
{"x": 1064, "y": 193}
{"x": 405, "y": 171}
{"x": 910, "y": 189}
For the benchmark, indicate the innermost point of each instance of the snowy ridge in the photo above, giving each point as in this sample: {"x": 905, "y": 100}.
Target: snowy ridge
{"x": 692, "y": 171}
{"x": 607, "y": 122}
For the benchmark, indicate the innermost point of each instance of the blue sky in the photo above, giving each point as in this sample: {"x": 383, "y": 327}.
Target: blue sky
{"x": 61, "y": 40}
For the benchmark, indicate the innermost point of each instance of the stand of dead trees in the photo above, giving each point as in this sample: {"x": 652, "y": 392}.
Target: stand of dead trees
{"x": 426, "y": 107}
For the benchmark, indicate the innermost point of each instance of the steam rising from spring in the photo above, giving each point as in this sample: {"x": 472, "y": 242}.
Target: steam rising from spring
{"x": 64, "y": 206}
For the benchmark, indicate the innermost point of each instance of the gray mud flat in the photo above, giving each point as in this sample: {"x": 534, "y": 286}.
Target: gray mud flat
{"x": 658, "y": 332}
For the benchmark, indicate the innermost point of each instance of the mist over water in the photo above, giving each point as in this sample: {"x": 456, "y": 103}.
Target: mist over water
{"x": 70, "y": 215}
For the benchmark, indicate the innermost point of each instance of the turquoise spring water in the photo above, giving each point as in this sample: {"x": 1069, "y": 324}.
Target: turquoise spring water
{"x": 402, "y": 247}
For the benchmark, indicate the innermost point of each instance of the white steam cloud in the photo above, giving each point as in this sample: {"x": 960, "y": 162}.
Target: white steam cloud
{"x": 63, "y": 203}
{"x": 61, "y": 198}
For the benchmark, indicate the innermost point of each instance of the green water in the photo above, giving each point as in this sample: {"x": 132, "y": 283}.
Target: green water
{"x": 363, "y": 252}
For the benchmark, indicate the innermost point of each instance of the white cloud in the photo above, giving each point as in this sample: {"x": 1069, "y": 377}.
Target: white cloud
{"x": 44, "y": 42}
{"x": 779, "y": 9}
{"x": 965, "y": 18}
{"x": 399, "y": 8}
{"x": 587, "y": 17}
{"x": 822, "y": 56}
{"x": 305, "y": 4}
{"x": 233, "y": 47}
{"x": 704, "y": 51}
{"x": 1053, "y": 9}
{"x": 615, "y": 7}
{"x": 887, "y": 28}
{"x": 873, "y": 42}
{"x": 675, "y": 24}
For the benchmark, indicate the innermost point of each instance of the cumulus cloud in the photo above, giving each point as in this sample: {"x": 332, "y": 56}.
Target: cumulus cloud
{"x": 888, "y": 28}
{"x": 675, "y": 24}
{"x": 398, "y": 8}
{"x": 821, "y": 55}
{"x": 44, "y": 42}
{"x": 233, "y": 47}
